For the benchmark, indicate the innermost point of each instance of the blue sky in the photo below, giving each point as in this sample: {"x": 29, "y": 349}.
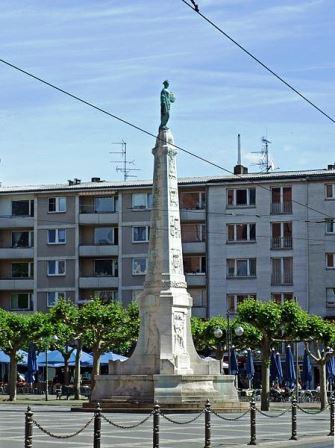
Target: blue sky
{"x": 117, "y": 53}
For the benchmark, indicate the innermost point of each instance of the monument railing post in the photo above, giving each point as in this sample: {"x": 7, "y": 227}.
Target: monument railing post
{"x": 155, "y": 436}
{"x": 97, "y": 427}
{"x": 208, "y": 435}
{"x": 332, "y": 416}
{"x": 294, "y": 420}
{"x": 252, "y": 422}
{"x": 28, "y": 437}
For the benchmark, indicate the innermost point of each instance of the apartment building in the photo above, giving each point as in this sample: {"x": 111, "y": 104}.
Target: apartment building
{"x": 261, "y": 235}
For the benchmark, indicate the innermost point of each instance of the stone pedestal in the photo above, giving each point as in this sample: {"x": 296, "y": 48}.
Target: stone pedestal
{"x": 165, "y": 365}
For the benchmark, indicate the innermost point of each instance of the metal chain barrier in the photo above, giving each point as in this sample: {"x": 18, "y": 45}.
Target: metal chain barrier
{"x": 182, "y": 423}
{"x": 312, "y": 412}
{"x": 272, "y": 416}
{"x": 128, "y": 426}
{"x": 62, "y": 436}
{"x": 230, "y": 419}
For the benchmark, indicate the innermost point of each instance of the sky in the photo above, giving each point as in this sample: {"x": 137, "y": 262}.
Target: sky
{"x": 116, "y": 54}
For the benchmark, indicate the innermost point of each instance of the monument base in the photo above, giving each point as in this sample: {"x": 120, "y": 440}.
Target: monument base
{"x": 182, "y": 392}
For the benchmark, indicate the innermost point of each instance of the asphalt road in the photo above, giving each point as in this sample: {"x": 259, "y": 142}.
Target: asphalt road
{"x": 271, "y": 432}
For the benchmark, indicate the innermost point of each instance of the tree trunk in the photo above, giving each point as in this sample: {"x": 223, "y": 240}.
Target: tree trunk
{"x": 12, "y": 376}
{"x": 96, "y": 366}
{"x": 265, "y": 396}
{"x": 323, "y": 384}
{"x": 77, "y": 372}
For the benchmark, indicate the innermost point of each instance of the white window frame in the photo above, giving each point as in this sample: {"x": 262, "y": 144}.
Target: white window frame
{"x": 112, "y": 228}
{"x": 100, "y": 293}
{"x": 234, "y": 297}
{"x": 200, "y": 257}
{"x": 115, "y": 203}
{"x": 332, "y": 197}
{"x": 147, "y": 201}
{"x": 332, "y": 222}
{"x": 201, "y": 230}
{"x": 16, "y": 294}
{"x": 282, "y": 296}
{"x": 282, "y": 274}
{"x": 236, "y": 260}
{"x": 30, "y": 238}
{"x": 234, "y": 204}
{"x": 235, "y": 240}
{"x": 115, "y": 268}
{"x": 57, "y": 204}
{"x": 147, "y": 234}
{"x": 57, "y": 263}
{"x": 203, "y": 298}
{"x": 31, "y": 207}
{"x": 201, "y": 196}
{"x": 333, "y": 256}
{"x": 30, "y": 268}
{"x": 58, "y": 295}
{"x": 56, "y": 236}
{"x": 330, "y": 298}
{"x": 133, "y": 261}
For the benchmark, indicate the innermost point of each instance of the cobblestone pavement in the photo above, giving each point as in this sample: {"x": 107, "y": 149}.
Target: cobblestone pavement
{"x": 312, "y": 430}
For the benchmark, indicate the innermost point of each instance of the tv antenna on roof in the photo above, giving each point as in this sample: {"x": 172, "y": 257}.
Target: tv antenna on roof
{"x": 265, "y": 163}
{"x": 125, "y": 168}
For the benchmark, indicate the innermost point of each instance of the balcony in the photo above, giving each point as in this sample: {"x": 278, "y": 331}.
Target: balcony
{"x": 282, "y": 280}
{"x": 16, "y": 222}
{"x": 196, "y": 279}
{"x": 16, "y": 253}
{"x": 23, "y": 283}
{"x": 281, "y": 243}
{"x": 96, "y": 282}
{"x": 193, "y": 214}
{"x": 194, "y": 248}
{"x": 281, "y": 208}
{"x": 98, "y": 250}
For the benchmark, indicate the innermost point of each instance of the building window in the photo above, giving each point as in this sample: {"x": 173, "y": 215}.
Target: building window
{"x": 330, "y": 191}
{"x": 241, "y": 232}
{"x": 194, "y": 264}
{"x": 199, "y": 296}
{"x": 57, "y": 205}
{"x": 22, "y": 239}
{"x": 106, "y": 268}
{"x": 56, "y": 267}
{"x": 53, "y": 297}
{"x": 20, "y": 302}
{"x": 139, "y": 266}
{"x": 241, "y": 267}
{"x": 281, "y": 200}
{"x": 106, "y": 295}
{"x": 56, "y": 236}
{"x": 281, "y": 235}
{"x": 245, "y": 197}
{"x": 330, "y": 297}
{"x": 193, "y": 233}
{"x": 107, "y": 204}
{"x": 141, "y": 234}
{"x": 233, "y": 300}
{"x": 141, "y": 201}
{"x": 22, "y": 270}
{"x": 281, "y": 297}
{"x": 23, "y": 208}
{"x": 105, "y": 235}
{"x": 282, "y": 271}
{"x": 330, "y": 225}
{"x": 193, "y": 200}
{"x": 330, "y": 260}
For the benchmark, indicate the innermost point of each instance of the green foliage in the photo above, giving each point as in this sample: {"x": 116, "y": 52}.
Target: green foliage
{"x": 198, "y": 328}
{"x": 265, "y": 316}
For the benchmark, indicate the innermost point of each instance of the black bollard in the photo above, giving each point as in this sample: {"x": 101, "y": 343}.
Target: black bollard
{"x": 252, "y": 422}
{"x": 294, "y": 420}
{"x": 155, "y": 434}
{"x": 332, "y": 415}
{"x": 28, "y": 436}
{"x": 208, "y": 413}
{"x": 97, "y": 427}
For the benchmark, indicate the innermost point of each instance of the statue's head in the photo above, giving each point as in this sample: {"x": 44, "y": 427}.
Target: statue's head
{"x": 166, "y": 83}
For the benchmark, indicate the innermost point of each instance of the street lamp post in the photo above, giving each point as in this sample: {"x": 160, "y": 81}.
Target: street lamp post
{"x": 218, "y": 333}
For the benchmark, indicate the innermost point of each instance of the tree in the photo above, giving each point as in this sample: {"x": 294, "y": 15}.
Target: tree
{"x": 266, "y": 318}
{"x": 108, "y": 327}
{"x": 320, "y": 344}
{"x": 16, "y": 332}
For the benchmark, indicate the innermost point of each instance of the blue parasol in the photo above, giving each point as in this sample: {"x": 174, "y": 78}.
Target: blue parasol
{"x": 250, "y": 368}
{"x": 306, "y": 376}
{"x": 233, "y": 366}
{"x": 111, "y": 356}
{"x": 330, "y": 368}
{"x": 32, "y": 365}
{"x": 55, "y": 359}
{"x": 279, "y": 368}
{"x": 290, "y": 375}
{"x": 274, "y": 374}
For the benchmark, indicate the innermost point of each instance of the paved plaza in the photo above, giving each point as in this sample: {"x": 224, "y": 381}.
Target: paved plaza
{"x": 60, "y": 420}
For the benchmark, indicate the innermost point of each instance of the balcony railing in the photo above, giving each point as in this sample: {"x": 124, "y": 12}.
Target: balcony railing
{"x": 281, "y": 242}
{"x": 92, "y": 209}
{"x": 281, "y": 208}
{"x": 277, "y": 279}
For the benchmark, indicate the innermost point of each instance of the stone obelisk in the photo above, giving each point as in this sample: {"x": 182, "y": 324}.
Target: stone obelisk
{"x": 165, "y": 365}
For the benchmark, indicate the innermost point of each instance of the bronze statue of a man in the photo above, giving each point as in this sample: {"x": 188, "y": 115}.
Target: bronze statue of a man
{"x": 167, "y": 98}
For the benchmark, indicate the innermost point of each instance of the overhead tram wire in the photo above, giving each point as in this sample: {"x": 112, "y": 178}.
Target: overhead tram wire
{"x": 144, "y": 131}
{"x": 195, "y": 8}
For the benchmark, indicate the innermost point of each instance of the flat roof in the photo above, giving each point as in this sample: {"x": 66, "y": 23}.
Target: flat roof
{"x": 203, "y": 180}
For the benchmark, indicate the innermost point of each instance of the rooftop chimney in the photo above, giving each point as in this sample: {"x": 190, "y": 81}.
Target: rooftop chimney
{"x": 95, "y": 179}
{"x": 239, "y": 168}
{"x": 331, "y": 167}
